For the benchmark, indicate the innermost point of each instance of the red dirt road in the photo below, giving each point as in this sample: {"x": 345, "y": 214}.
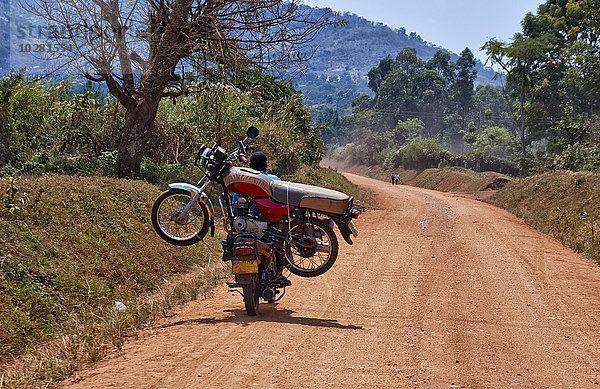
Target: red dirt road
{"x": 438, "y": 291}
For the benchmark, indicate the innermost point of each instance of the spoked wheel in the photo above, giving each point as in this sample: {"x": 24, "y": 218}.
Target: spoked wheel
{"x": 172, "y": 225}
{"x": 314, "y": 248}
{"x": 251, "y": 294}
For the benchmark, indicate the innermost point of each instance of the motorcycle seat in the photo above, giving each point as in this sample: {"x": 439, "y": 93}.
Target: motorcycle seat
{"x": 309, "y": 196}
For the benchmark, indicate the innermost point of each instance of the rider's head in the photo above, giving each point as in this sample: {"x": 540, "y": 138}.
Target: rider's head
{"x": 258, "y": 161}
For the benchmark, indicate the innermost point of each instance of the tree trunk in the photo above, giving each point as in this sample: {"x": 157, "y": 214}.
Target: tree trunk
{"x": 139, "y": 122}
{"x": 522, "y": 98}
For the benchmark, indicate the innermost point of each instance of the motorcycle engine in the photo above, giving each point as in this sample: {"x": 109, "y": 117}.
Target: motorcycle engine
{"x": 246, "y": 224}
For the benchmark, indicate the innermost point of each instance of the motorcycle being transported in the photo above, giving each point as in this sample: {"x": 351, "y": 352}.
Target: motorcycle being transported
{"x": 272, "y": 225}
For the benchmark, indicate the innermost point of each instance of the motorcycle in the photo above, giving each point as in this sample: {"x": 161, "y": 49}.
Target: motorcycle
{"x": 270, "y": 224}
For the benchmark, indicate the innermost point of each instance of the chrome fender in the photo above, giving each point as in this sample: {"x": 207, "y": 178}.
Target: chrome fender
{"x": 193, "y": 190}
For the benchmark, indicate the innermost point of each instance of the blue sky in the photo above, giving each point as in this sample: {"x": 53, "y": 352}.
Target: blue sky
{"x": 452, "y": 24}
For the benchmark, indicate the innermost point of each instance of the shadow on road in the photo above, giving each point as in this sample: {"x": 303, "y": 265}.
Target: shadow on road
{"x": 268, "y": 314}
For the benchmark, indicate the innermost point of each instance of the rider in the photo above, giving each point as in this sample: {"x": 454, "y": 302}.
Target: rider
{"x": 258, "y": 161}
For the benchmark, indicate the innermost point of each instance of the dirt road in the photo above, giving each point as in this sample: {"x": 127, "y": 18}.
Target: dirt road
{"x": 438, "y": 291}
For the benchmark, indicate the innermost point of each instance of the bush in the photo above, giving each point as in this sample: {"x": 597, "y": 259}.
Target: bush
{"x": 44, "y": 122}
{"x": 423, "y": 153}
{"x": 41, "y": 165}
{"x": 578, "y": 157}
{"x": 482, "y": 162}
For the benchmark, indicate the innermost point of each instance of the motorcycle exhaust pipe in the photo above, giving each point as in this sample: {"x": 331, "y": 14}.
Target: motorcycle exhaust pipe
{"x": 268, "y": 294}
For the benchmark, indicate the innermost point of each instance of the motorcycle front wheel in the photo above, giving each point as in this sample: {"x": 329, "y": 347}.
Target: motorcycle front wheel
{"x": 313, "y": 249}
{"x": 174, "y": 227}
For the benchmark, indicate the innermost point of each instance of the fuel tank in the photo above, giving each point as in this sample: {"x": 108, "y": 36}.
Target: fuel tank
{"x": 248, "y": 182}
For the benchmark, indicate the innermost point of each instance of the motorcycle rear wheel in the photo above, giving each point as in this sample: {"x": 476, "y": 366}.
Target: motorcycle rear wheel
{"x": 165, "y": 212}
{"x": 251, "y": 295}
{"x": 314, "y": 247}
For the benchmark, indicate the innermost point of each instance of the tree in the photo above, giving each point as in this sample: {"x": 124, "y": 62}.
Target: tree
{"x": 329, "y": 120}
{"x": 491, "y": 104}
{"x": 519, "y": 60}
{"x": 564, "y": 92}
{"x": 141, "y": 48}
{"x": 407, "y": 130}
{"x": 379, "y": 73}
{"x": 496, "y": 141}
{"x": 463, "y": 85}
{"x": 442, "y": 63}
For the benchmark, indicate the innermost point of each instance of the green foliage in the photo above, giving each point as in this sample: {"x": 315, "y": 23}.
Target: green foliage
{"x": 222, "y": 114}
{"x": 378, "y": 74}
{"x": 552, "y": 68}
{"x": 214, "y": 112}
{"x": 496, "y": 141}
{"x": 288, "y": 137}
{"x": 50, "y": 129}
{"x": 482, "y": 162}
{"x": 49, "y": 123}
{"x": 465, "y": 77}
{"x": 422, "y": 153}
{"x": 329, "y": 121}
{"x": 437, "y": 92}
{"x": 363, "y": 103}
{"x": 578, "y": 156}
{"x": 491, "y": 104}
{"x": 407, "y": 130}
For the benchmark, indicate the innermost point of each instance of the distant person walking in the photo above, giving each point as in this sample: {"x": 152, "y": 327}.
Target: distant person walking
{"x": 394, "y": 178}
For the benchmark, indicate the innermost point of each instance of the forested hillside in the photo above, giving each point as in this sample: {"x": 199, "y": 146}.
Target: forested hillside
{"x": 337, "y": 71}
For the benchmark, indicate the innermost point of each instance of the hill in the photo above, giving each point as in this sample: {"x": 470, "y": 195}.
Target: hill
{"x": 345, "y": 54}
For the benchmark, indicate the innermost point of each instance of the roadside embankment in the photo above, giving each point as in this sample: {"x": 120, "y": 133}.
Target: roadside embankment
{"x": 451, "y": 179}
{"x": 72, "y": 251}
{"x": 563, "y": 204}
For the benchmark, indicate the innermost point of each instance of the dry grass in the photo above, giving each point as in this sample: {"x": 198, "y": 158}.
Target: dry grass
{"x": 86, "y": 341}
{"x": 70, "y": 247}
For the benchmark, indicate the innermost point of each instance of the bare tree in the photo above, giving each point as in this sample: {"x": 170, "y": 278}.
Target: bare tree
{"x": 141, "y": 48}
